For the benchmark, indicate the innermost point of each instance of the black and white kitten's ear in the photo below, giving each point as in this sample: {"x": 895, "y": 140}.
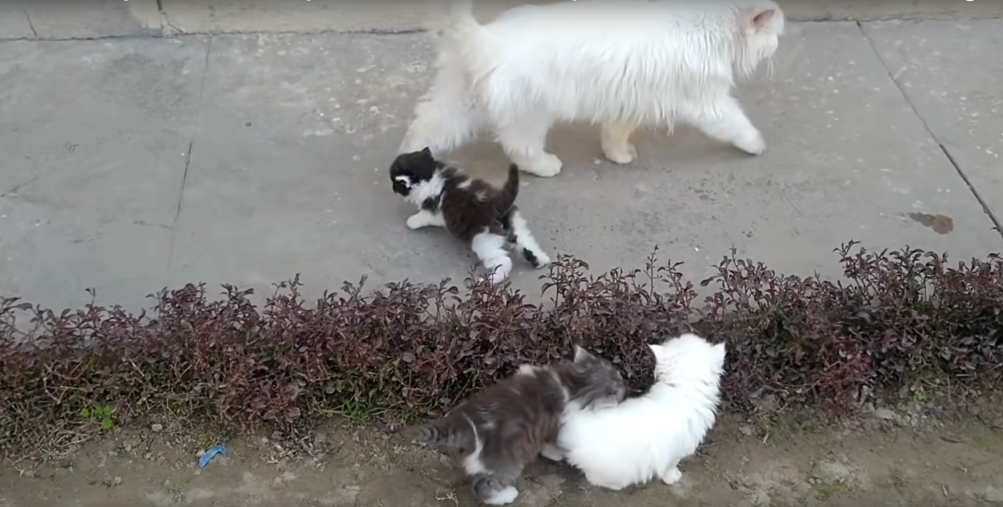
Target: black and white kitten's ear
{"x": 403, "y": 181}
{"x": 582, "y": 355}
{"x": 427, "y": 152}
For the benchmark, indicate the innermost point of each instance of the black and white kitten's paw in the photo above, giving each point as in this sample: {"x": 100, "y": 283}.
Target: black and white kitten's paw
{"x": 423, "y": 219}
{"x": 499, "y": 275}
{"x": 536, "y": 257}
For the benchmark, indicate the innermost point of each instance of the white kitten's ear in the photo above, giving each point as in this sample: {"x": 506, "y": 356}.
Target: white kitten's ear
{"x": 581, "y": 354}
{"x": 656, "y": 350}
{"x": 721, "y": 352}
{"x": 762, "y": 19}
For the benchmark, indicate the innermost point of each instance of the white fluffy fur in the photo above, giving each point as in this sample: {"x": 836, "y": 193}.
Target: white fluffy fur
{"x": 619, "y": 63}
{"x": 648, "y": 436}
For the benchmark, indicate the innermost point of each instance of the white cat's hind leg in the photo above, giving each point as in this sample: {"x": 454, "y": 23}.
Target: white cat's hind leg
{"x": 524, "y": 141}
{"x": 526, "y": 243}
{"x": 724, "y": 120}
{"x": 490, "y": 249}
{"x": 616, "y": 144}
{"x": 672, "y": 476}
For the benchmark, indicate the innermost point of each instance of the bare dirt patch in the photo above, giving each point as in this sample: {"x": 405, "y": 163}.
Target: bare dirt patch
{"x": 882, "y": 462}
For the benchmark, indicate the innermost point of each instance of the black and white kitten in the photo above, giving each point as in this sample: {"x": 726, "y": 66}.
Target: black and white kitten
{"x": 470, "y": 209}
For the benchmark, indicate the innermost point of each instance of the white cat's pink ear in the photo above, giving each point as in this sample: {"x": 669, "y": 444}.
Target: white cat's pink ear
{"x": 581, "y": 354}
{"x": 762, "y": 19}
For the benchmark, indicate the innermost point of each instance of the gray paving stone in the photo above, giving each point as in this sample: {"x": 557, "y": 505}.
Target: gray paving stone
{"x": 94, "y": 141}
{"x": 949, "y": 71}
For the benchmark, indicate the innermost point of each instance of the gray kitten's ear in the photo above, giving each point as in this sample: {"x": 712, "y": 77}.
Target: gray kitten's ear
{"x": 581, "y": 354}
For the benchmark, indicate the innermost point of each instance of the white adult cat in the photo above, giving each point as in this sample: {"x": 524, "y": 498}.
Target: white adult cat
{"x": 647, "y": 436}
{"x": 621, "y": 63}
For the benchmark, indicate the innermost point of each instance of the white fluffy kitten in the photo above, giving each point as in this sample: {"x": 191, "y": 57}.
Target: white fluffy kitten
{"x": 621, "y": 63}
{"x": 647, "y": 436}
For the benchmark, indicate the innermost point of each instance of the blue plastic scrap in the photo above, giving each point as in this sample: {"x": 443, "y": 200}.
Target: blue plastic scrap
{"x": 209, "y": 453}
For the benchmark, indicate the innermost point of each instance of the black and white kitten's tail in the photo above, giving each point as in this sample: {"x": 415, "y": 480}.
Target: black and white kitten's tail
{"x": 518, "y": 228}
{"x": 509, "y": 191}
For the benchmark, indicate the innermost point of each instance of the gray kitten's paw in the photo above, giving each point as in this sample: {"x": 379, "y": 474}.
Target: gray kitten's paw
{"x": 552, "y": 452}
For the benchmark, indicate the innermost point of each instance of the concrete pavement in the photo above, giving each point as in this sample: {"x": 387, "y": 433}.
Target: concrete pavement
{"x": 74, "y": 19}
{"x": 135, "y": 163}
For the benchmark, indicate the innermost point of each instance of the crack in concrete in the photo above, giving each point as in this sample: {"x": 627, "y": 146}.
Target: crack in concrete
{"x": 188, "y": 154}
{"x": 943, "y": 148}
{"x": 167, "y": 29}
{"x": 16, "y": 188}
{"x": 27, "y": 17}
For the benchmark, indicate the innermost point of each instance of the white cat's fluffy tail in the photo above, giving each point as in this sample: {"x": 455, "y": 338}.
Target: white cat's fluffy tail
{"x": 460, "y": 17}
{"x": 462, "y": 40}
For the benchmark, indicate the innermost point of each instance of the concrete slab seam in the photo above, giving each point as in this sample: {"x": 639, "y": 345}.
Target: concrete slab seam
{"x": 168, "y": 29}
{"x": 964, "y": 177}
{"x": 188, "y": 154}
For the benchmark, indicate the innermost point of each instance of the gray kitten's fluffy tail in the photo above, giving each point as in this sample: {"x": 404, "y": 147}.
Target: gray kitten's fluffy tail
{"x": 448, "y": 433}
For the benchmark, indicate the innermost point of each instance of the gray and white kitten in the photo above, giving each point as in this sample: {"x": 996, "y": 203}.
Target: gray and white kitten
{"x": 500, "y": 430}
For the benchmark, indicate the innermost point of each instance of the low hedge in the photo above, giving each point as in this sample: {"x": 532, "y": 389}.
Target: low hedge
{"x": 410, "y": 351}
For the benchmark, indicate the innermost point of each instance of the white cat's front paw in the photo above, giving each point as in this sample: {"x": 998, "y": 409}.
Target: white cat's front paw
{"x": 544, "y": 166}
{"x": 672, "y": 476}
{"x": 754, "y": 144}
{"x": 622, "y": 155}
{"x": 552, "y": 452}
